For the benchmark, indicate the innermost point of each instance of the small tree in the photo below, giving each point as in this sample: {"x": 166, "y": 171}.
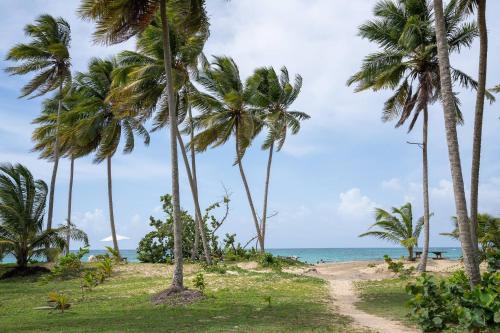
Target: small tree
{"x": 397, "y": 227}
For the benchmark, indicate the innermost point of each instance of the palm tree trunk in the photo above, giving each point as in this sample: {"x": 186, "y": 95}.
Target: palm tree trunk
{"x": 110, "y": 207}
{"x": 194, "y": 191}
{"x": 266, "y": 193}
{"x": 178, "y": 276}
{"x": 249, "y": 195}
{"x": 422, "y": 266}
{"x": 70, "y": 201}
{"x": 410, "y": 253}
{"x": 478, "y": 120}
{"x": 197, "y": 231}
{"x": 470, "y": 262}
{"x": 56, "y": 164}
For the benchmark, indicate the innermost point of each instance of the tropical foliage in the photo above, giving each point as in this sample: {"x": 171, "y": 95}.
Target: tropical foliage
{"x": 397, "y": 227}
{"x": 22, "y": 209}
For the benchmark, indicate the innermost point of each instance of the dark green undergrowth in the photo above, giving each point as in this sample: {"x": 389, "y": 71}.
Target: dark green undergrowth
{"x": 235, "y": 301}
{"x": 388, "y": 298}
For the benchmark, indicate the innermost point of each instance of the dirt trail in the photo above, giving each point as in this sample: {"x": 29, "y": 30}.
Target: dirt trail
{"x": 341, "y": 277}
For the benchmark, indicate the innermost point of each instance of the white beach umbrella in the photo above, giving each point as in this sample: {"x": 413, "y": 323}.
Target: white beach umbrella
{"x": 110, "y": 238}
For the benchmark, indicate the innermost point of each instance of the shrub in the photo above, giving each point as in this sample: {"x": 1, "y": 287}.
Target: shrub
{"x": 69, "y": 265}
{"x": 59, "y": 301}
{"x": 199, "y": 282}
{"x": 437, "y": 304}
{"x": 398, "y": 267}
{"x": 214, "y": 268}
{"x": 105, "y": 266}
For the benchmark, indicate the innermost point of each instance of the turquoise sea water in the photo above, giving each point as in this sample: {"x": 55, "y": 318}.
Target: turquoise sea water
{"x": 313, "y": 256}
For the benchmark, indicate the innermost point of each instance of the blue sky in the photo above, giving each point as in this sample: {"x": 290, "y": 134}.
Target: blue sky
{"x": 326, "y": 181}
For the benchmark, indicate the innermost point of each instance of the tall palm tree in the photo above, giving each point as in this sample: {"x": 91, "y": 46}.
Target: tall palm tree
{"x": 468, "y": 7}
{"x": 46, "y": 55}
{"x": 449, "y": 108}
{"x": 488, "y": 231}
{"x": 22, "y": 208}
{"x": 105, "y": 122}
{"x": 397, "y": 227}
{"x": 45, "y": 133}
{"x": 408, "y": 65}
{"x": 226, "y": 112}
{"x": 141, "y": 80}
{"x": 117, "y": 21}
{"x": 274, "y": 96}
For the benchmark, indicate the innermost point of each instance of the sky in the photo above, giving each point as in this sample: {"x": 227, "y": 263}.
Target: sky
{"x": 327, "y": 180}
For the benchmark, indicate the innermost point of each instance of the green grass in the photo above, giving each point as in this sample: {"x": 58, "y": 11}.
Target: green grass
{"x": 235, "y": 303}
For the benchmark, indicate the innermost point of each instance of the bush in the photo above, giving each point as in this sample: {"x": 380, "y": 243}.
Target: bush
{"x": 69, "y": 265}
{"x": 398, "y": 267}
{"x": 199, "y": 282}
{"x": 438, "y": 304}
{"x": 214, "y": 268}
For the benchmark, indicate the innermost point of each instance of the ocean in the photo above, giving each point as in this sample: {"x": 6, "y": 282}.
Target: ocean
{"x": 315, "y": 255}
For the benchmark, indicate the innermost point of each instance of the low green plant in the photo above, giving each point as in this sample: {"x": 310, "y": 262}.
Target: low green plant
{"x": 89, "y": 280}
{"x": 105, "y": 266}
{"x": 113, "y": 254}
{"x": 398, "y": 267}
{"x": 437, "y": 304}
{"x": 268, "y": 299}
{"x": 199, "y": 282}
{"x": 68, "y": 266}
{"x": 214, "y": 268}
{"x": 59, "y": 301}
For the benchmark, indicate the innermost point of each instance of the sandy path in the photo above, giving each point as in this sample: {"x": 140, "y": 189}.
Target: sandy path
{"x": 341, "y": 277}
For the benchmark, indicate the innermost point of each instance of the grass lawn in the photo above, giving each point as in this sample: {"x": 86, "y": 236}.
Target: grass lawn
{"x": 235, "y": 302}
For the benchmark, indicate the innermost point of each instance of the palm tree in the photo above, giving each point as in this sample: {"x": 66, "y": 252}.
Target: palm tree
{"x": 22, "y": 208}
{"x": 397, "y": 227}
{"x": 141, "y": 80}
{"x": 408, "y": 65}
{"x": 105, "y": 122}
{"x": 274, "y": 97}
{"x": 47, "y": 55}
{"x": 118, "y": 20}
{"x": 468, "y": 7}
{"x": 449, "y": 108}
{"x": 488, "y": 231}
{"x": 44, "y": 137}
{"x": 225, "y": 112}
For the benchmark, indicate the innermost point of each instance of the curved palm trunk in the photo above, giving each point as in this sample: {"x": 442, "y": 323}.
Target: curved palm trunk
{"x": 478, "y": 120}
{"x": 110, "y": 207}
{"x": 249, "y": 195}
{"x": 410, "y": 253}
{"x": 470, "y": 262}
{"x": 194, "y": 191}
{"x": 56, "y": 164}
{"x": 178, "y": 276}
{"x": 422, "y": 266}
{"x": 266, "y": 194}
{"x": 70, "y": 201}
{"x": 197, "y": 231}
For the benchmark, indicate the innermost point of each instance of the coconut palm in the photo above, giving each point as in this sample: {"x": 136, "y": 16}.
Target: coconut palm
{"x": 104, "y": 123}
{"x": 488, "y": 231}
{"x": 408, "y": 65}
{"x": 274, "y": 96}
{"x": 141, "y": 80}
{"x": 47, "y": 57}
{"x": 397, "y": 227}
{"x": 22, "y": 208}
{"x": 45, "y": 133}
{"x": 226, "y": 112}
{"x": 118, "y": 20}
{"x": 468, "y": 7}
{"x": 449, "y": 108}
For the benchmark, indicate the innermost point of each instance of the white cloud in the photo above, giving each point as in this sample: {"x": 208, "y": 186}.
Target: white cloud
{"x": 355, "y": 205}
{"x": 393, "y": 184}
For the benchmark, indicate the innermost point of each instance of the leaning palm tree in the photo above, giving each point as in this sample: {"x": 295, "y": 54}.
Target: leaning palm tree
{"x": 273, "y": 98}
{"x": 408, "y": 65}
{"x": 397, "y": 227}
{"x": 140, "y": 80}
{"x": 119, "y": 20}
{"x": 22, "y": 208}
{"x": 45, "y": 133}
{"x": 47, "y": 55}
{"x": 468, "y": 7}
{"x": 226, "y": 112}
{"x": 448, "y": 100}
{"x": 104, "y": 123}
